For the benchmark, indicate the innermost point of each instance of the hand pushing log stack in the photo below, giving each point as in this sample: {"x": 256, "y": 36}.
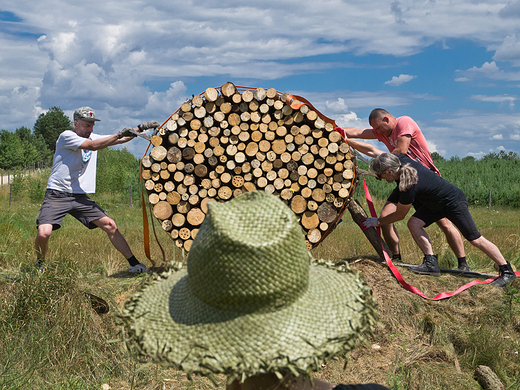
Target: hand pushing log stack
{"x": 230, "y": 140}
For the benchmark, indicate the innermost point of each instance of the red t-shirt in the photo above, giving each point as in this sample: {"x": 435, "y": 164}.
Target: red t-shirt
{"x": 418, "y": 149}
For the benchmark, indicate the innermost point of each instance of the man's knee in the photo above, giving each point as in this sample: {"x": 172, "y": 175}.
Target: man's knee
{"x": 106, "y": 224}
{"x": 44, "y": 232}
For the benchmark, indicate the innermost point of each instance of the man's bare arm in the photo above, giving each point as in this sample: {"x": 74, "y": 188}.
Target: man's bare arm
{"x": 105, "y": 142}
{"x": 402, "y": 144}
{"x": 363, "y": 147}
{"x": 354, "y": 132}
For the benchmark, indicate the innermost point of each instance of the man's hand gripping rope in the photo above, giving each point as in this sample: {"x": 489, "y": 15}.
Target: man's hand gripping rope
{"x": 137, "y": 132}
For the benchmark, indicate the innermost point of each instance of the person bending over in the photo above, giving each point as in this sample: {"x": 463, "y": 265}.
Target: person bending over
{"x": 402, "y": 135}
{"x": 437, "y": 199}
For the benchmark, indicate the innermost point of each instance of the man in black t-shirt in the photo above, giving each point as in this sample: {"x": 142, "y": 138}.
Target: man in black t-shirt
{"x": 433, "y": 198}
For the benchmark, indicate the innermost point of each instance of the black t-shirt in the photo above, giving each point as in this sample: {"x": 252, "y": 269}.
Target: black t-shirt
{"x": 368, "y": 386}
{"x": 430, "y": 191}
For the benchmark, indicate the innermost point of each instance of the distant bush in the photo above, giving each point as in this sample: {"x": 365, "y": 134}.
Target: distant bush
{"x": 117, "y": 171}
{"x": 499, "y": 173}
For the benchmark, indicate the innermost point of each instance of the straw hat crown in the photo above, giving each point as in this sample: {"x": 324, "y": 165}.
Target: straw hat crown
{"x": 234, "y": 263}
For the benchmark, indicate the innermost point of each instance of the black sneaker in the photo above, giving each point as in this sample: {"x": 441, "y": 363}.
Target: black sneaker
{"x": 506, "y": 275}
{"x": 39, "y": 267}
{"x": 430, "y": 266}
{"x": 464, "y": 267}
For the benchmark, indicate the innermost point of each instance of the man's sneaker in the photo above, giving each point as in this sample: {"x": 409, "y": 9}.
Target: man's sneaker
{"x": 38, "y": 266}
{"x": 464, "y": 267}
{"x": 506, "y": 275}
{"x": 138, "y": 269}
{"x": 430, "y": 266}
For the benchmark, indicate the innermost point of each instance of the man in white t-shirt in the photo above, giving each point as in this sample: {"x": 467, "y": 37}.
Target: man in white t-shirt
{"x": 73, "y": 176}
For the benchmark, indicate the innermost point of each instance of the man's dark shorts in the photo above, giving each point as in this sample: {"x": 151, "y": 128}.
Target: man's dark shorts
{"x": 457, "y": 212}
{"x": 57, "y": 204}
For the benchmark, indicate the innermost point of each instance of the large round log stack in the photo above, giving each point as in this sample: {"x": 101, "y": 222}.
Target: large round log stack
{"x": 229, "y": 140}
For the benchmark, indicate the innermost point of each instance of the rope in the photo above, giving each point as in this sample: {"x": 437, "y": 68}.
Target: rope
{"x": 398, "y": 276}
{"x": 146, "y": 230}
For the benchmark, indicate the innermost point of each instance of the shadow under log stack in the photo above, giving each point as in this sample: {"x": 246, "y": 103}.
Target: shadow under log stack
{"x": 230, "y": 140}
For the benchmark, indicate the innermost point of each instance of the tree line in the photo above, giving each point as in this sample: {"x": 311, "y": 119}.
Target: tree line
{"x": 495, "y": 176}
{"x": 23, "y": 147}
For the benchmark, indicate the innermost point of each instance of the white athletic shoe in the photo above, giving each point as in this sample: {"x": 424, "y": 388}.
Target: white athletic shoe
{"x": 138, "y": 269}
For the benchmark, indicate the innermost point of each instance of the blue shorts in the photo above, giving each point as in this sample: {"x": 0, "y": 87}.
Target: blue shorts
{"x": 57, "y": 204}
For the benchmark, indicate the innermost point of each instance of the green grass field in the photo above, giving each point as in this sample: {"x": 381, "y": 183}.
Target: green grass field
{"x": 51, "y": 338}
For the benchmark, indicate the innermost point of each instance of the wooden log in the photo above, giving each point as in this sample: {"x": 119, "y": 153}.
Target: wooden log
{"x": 327, "y": 212}
{"x": 158, "y": 153}
{"x": 167, "y": 225}
{"x": 310, "y": 220}
{"x": 228, "y": 89}
{"x": 195, "y": 217}
{"x": 225, "y": 193}
{"x": 314, "y": 236}
{"x": 488, "y": 379}
{"x": 162, "y": 210}
{"x": 204, "y": 204}
{"x": 298, "y": 204}
{"x": 211, "y": 94}
{"x": 358, "y": 213}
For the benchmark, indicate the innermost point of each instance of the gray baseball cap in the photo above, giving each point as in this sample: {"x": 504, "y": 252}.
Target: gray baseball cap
{"x": 86, "y": 114}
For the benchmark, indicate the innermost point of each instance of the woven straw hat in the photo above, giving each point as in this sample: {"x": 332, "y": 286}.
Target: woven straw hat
{"x": 250, "y": 301}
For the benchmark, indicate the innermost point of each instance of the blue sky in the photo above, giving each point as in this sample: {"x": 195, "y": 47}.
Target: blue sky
{"x": 450, "y": 65}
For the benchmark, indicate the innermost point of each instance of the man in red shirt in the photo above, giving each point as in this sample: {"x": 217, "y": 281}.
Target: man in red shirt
{"x": 403, "y": 136}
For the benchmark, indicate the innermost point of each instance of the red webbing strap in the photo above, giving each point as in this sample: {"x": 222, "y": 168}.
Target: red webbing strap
{"x": 396, "y": 273}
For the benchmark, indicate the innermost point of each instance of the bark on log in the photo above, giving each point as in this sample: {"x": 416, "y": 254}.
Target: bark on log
{"x": 488, "y": 379}
{"x": 358, "y": 213}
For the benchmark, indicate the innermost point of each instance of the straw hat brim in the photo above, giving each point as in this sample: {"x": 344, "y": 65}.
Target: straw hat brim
{"x": 174, "y": 327}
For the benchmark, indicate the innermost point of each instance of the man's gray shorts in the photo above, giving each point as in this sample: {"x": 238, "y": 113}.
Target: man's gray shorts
{"x": 57, "y": 204}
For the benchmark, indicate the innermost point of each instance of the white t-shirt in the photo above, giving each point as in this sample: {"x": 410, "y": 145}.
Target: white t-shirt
{"x": 73, "y": 169}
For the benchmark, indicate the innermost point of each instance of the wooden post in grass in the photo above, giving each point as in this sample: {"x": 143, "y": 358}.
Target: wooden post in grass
{"x": 358, "y": 214}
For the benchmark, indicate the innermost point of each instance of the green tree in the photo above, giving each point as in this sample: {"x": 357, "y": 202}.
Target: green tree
{"x": 436, "y": 157}
{"x": 50, "y": 125}
{"x": 24, "y": 133}
{"x": 35, "y": 149}
{"x": 11, "y": 150}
